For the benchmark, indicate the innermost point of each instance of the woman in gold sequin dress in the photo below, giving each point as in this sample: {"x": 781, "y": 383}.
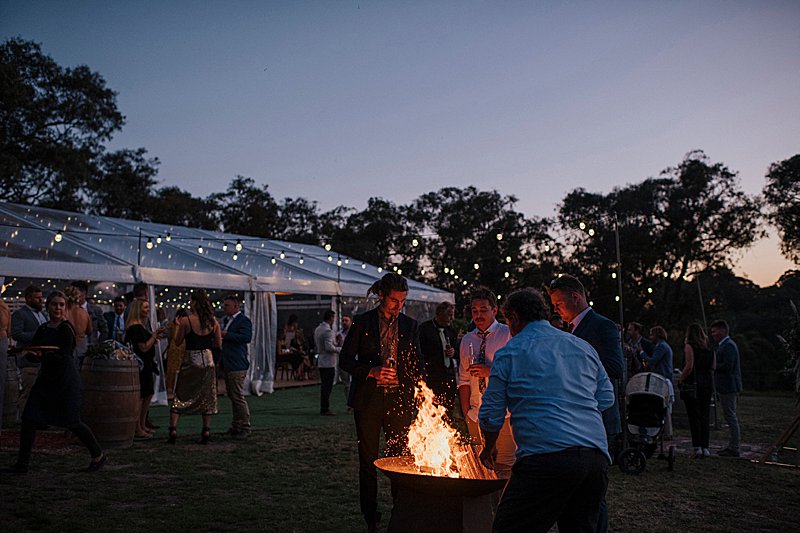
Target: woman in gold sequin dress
{"x": 196, "y": 381}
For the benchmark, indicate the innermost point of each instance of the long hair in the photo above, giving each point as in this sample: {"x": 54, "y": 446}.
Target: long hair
{"x": 202, "y": 306}
{"x": 389, "y": 282}
{"x": 71, "y": 294}
{"x": 696, "y": 336}
{"x": 135, "y": 313}
{"x": 659, "y": 333}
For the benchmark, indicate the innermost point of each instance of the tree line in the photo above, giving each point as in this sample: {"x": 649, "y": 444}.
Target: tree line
{"x": 678, "y": 232}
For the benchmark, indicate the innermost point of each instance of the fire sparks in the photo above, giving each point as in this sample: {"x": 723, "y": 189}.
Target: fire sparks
{"x": 437, "y": 447}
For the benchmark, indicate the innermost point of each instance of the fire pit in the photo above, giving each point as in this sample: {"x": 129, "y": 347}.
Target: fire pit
{"x": 442, "y": 486}
{"x": 439, "y": 504}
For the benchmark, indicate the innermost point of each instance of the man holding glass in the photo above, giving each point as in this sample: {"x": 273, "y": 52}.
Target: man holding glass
{"x": 381, "y": 352}
{"x": 477, "y": 354}
{"x": 436, "y": 339}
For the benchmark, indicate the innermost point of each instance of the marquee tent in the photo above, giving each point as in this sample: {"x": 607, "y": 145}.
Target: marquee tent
{"x": 37, "y": 242}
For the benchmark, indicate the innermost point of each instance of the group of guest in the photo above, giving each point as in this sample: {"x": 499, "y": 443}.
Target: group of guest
{"x": 51, "y": 349}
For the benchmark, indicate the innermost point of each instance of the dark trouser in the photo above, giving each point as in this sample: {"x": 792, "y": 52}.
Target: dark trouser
{"x": 697, "y": 412}
{"x": 27, "y": 435}
{"x": 326, "y": 376}
{"x": 234, "y": 388}
{"x": 394, "y": 421}
{"x": 563, "y": 487}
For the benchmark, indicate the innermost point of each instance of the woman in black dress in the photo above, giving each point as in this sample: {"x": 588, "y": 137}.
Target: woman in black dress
{"x": 696, "y": 386}
{"x": 55, "y": 398}
{"x": 143, "y": 341}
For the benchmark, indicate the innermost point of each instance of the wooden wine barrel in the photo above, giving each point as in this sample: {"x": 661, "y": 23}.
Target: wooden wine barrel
{"x": 11, "y": 397}
{"x": 110, "y": 400}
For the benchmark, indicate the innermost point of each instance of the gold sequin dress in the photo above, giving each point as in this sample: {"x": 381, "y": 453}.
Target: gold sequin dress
{"x": 196, "y": 381}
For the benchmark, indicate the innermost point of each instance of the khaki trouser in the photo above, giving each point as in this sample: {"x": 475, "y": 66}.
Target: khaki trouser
{"x": 27, "y": 377}
{"x": 234, "y": 385}
{"x": 506, "y": 447}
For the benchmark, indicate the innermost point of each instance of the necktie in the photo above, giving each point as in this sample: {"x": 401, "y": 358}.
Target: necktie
{"x": 444, "y": 347}
{"x": 571, "y": 327}
{"x": 120, "y": 327}
{"x": 225, "y": 322}
{"x": 482, "y": 359}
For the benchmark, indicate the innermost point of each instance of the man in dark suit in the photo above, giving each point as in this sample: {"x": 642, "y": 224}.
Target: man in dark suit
{"x": 237, "y": 332}
{"x": 637, "y": 343}
{"x": 569, "y": 300}
{"x": 381, "y": 352}
{"x": 115, "y": 320}
{"x": 24, "y": 323}
{"x": 437, "y": 340}
{"x": 728, "y": 381}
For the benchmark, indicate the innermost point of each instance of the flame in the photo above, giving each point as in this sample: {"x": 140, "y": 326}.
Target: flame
{"x": 432, "y": 441}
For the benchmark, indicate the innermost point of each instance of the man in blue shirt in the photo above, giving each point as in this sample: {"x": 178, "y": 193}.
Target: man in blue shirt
{"x": 237, "y": 332}
{"x": 555, "y": 387}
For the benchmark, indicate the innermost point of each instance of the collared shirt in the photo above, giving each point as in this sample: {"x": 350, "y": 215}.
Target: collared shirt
{"x": 499, "y": 334}
{"x": 388, "y": 333}
{"x": 661, "y": 360}
{"x": 39, "y": 315}
{"x": 228, "y": 319}
{"x": 579, "y": 317}
{"x": 555, "y": 387}
{"x": 325, "y": 341}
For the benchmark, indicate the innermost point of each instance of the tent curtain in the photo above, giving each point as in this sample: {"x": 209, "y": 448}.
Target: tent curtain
{"x": 262, "y": 310}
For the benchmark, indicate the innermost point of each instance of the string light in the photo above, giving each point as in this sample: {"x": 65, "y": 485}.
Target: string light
{"x": 506, "y": 274}
{"x": 301, "y": 261}
{"x": 616, "y": 298}
{"x": 399, "y": 271}
{"x": 338, "y": 262}
{"x": 476, "y": 266}
{"x": 238, "y": 245}
{"x": 422, "y": 272}
{"x": 224, "y": 246}
{"x": 273, "y": 260}
{"x": 363, "y": 265}
{"x": 346, "y": 260}
{"x": 394, "y": 267}
{"x": 235, "y": 256}
{"x": 499, "y": 236}
{"x": 58, "y": 236}
{"x": 414, "y": 243}
{"x": 464, "y": 282}
{"x": 666, "y": 274}
{"x": 149, "y": 244}
{"x": 613, "y": 275}
{"x": 508, "y": 259}
{"x": 330, "y": 257}
{"x": 546, "y": 247}
{"x": 591, "y": 232}
{"x": 199, "y": 248}
{"x": 649, "y": 290}
{"x": 582, "y": 225}
{"x": 168, "y": 237}
{"x": 158, "y": 239}
{"x": 446, "y": 270}
{"x": 327, "y": 247}
{"x": 380, "y": 270}
{"x": 282, "y": 255}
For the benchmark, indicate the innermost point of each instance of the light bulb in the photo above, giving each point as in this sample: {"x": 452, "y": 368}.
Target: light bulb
{"x": 238, "y": 245}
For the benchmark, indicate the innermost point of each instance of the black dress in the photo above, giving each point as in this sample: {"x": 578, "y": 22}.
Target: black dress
{"x": 55, "y": 398}
{"x": 134, "y": 335}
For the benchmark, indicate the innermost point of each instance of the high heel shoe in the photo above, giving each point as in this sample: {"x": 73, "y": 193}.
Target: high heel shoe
{"x": 205, "y": 436}
{"x": 173, "y": 435}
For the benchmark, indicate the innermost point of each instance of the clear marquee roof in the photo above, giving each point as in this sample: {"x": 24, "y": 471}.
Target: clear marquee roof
{"x": 125, "y": 251}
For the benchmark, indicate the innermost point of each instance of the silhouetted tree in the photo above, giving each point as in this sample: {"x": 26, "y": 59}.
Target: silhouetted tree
{"x": 247, "y": 209}
{"x": 782, "y": 193}
{"x": 124, "y": 186}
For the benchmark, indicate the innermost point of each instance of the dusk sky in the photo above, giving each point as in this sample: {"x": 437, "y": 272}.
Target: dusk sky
{"x": 340, "y": 101}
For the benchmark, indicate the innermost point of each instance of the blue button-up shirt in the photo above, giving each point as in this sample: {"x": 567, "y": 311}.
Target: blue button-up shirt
{"x": 554, "y": 386}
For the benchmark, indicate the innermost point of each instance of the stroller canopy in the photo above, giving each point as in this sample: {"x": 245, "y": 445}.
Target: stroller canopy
{"x": 648, "y": 383}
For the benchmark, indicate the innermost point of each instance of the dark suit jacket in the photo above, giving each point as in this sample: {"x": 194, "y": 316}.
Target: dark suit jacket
{"x": 433, "y": 354}
{"x": 728, "y": 374}
{"x": 23, "y": 328}
{"x": 604, "y": 337}
{"x": 233, "y": 355}
{"x": 361, "y": 352}
{"x": 111, "y": 317}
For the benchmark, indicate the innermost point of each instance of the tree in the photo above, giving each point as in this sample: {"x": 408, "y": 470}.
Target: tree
{"x": 124, "y": 187}
{"x": 471, "y": 238}
{"x": 298, "y": 221}
{"x": 782, "y": 193}
{"x": 247, "y": 209}
{"x": 54, "y": 122}
{"x": 694, "y": 216}
{"x": 175, "y": 207}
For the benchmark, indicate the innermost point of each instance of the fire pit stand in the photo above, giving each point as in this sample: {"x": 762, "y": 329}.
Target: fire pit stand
{"x": 438, "y": 504}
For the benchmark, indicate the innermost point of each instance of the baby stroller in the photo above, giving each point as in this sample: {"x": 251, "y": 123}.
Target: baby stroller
{"x": 646, "y": 400}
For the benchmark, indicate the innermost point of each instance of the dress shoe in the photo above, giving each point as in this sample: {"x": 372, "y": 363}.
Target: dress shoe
{"x": 94, "y": 466}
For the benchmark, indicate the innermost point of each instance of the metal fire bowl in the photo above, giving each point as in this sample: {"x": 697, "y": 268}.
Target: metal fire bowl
{"x": 403, "y": 474}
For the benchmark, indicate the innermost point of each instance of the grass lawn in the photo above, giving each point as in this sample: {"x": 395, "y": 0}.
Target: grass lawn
{"x": 298, "y": 472}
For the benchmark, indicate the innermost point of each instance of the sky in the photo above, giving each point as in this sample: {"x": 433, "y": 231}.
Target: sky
{"x": 341, "y": 101}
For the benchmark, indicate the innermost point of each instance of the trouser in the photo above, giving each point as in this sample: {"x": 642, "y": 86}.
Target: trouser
{"x": 346, "y": 379}
{"x": 697, "y": 412}
{"x": 505, "y": 445}
{"x": 326, "y": 376}
{"x": 387, "y": 415}
{"x": 27, "y": 436}
{"x": 27, "y": 377}
{"x": 564, "y": 487}
{"x": 728, "y": 402}
{"x": 234, "y": 385}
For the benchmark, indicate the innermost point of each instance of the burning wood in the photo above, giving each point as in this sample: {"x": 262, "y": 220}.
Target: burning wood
{"x": 437, "y": 447}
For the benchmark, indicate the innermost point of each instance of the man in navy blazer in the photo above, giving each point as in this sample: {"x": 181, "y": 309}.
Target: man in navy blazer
{"x": 382, "y": 354}
{"x": 728, "y": 381}
{"x": 569, "y": 300}
{"x": 237, "y": 332}
{"x": 24, "y": 323}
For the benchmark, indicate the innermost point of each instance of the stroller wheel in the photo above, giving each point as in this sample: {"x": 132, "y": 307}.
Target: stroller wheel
{"x": 632, "y": 461}
{"x": 671, "y": 459}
